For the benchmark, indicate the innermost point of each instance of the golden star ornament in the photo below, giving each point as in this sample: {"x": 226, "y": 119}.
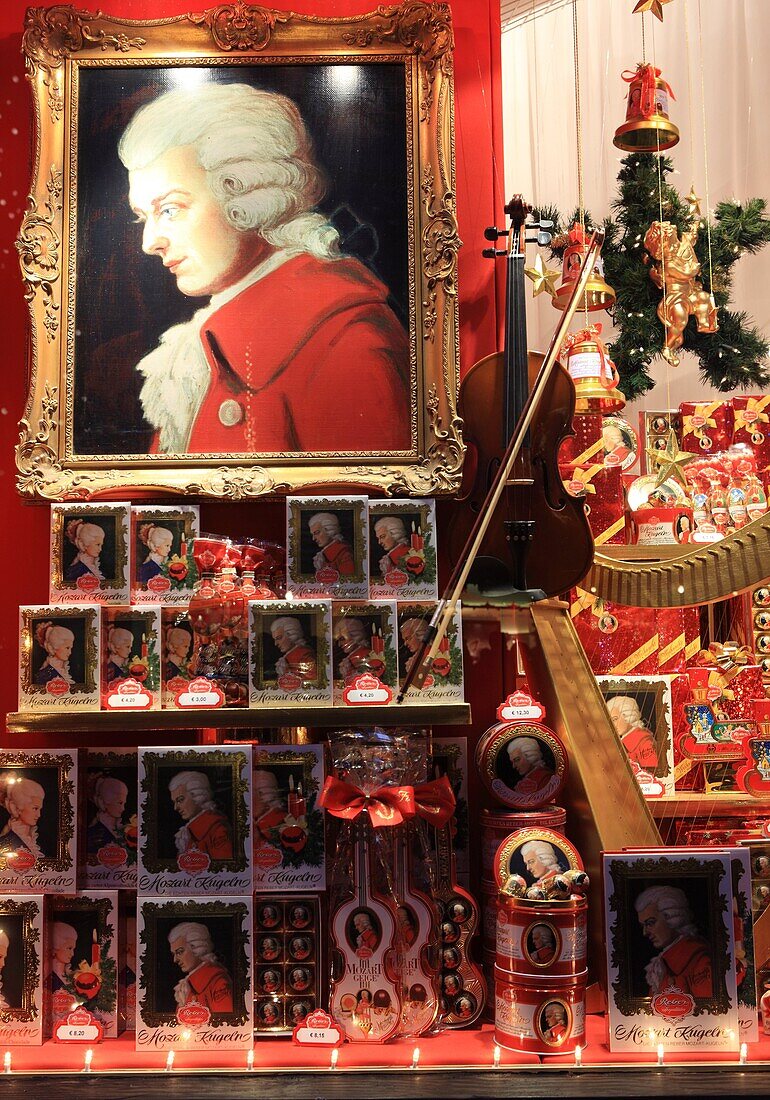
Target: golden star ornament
{"x": 655, "y": 6}
{"x": 543, "y": 278}
{"x": 694, "y": 201}
{"x": 671, "y": 461}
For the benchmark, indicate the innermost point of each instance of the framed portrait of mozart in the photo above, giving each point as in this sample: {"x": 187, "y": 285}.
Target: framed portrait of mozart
{"x": 240, "y": 254}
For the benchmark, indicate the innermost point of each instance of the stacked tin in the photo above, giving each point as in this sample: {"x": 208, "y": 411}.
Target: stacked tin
{"x": 534, "y": 946}
{"x": 496, "y": 826}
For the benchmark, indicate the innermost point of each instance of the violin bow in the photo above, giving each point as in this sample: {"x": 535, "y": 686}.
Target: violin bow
{"x": 447, "y": 605}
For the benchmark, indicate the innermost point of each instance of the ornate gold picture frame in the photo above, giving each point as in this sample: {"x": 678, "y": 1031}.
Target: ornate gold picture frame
{"x": 107, "y": 414}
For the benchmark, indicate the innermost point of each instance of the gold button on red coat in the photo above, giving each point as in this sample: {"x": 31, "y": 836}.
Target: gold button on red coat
{"x": 231, "y": 412}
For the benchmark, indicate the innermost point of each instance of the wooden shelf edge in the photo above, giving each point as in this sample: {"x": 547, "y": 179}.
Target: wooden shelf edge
{"x": 427, "y": 714}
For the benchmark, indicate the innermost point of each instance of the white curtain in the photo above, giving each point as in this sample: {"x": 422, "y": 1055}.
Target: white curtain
{"x": 540, "y": 133}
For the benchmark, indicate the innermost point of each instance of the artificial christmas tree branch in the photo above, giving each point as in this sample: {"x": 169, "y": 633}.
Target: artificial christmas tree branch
{"x": 734, "y": 357}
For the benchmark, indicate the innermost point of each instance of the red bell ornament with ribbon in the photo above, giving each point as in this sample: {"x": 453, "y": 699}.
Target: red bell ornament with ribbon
{"x": 598, "y": 293}
{"x": 647, "y": 128}
{"x": 588, "y": 362}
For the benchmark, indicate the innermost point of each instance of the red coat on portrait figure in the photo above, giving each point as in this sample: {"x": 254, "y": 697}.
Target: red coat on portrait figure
{"x": 211, "y": 986}
{"x": 301, "y": 659}
{"x": 211, "y": 834}
{"x": 340, "y": 557}
{"x": 639, "y": 744}
{"x": 534, "y": 780}
{"x": 688, "y": 967}
{"x": 309, "y": 358}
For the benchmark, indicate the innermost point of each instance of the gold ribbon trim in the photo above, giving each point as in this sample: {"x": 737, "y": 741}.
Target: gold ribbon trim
{"x": 613, "y": 529}
{"x": 637, "y": 657}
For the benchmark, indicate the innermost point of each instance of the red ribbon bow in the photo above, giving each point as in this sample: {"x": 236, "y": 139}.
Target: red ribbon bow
{"x": 385, "y": 805}
{"x": 648, "y": 76}
{"x": 435, "y": 801}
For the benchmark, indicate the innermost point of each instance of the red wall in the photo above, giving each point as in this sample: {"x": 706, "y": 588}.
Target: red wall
{"x": 24, "y": 527}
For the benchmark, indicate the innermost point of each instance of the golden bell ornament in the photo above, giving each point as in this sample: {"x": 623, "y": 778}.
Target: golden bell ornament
{"x": 647, "y": 128}
{"x": 593, "y": 373}
{"x": 598, "y": 293}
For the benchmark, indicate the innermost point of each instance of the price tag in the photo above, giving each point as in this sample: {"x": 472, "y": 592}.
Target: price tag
{"x": 520, "y": 707}
{"x": 78, "y": 1027}
{"x": 200, "y": 694}
{"x": 317, "y": 1030}
{"x": 367, "y": 691}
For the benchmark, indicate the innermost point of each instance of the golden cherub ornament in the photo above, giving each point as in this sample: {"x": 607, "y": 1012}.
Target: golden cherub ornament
{"x": 683, "y": 294}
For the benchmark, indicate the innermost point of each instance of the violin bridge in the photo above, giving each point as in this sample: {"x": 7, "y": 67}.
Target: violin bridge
{"x": 520, "y": 481}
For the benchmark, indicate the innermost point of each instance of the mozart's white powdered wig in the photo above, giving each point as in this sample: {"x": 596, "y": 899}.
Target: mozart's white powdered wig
{"x": 673, "y": 906}
{"x": 327, "y": 521}
{"x": 529, "y": 749}
{"x": 177, "y": 639}
{"x": 393, "y": 525}
{"x": 118, "y": 635}
{"x": 198, "y": 786}
{"x": 543, "y": 850}
{"x": 291, "y": 627}
{"x": 63, "y": 933}
{"x": 105, "y": 789}
{"x": 257, "y": 155}
{"x": 625, "y": 706}
{"x": 197, "y": 937}
{"x": 16, "y": 792}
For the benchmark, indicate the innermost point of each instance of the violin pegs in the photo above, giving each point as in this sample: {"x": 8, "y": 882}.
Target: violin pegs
{"x": 491, "y": 233}
{"x": 490, "y": 253}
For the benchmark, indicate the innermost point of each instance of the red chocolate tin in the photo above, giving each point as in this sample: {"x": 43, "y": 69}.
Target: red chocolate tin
{"x": 542, "y": 937}
{"x": 537, "y": 855}
{"x": 522, "y": 764}
{"x": 540, "y": 1015}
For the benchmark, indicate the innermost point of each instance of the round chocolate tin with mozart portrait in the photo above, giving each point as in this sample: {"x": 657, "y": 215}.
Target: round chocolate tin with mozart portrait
{"x": 522, "y": 764}
{"x": 536, "y": 855}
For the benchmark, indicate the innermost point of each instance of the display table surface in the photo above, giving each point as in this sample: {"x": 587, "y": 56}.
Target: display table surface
{"x": 455, "y": 1063}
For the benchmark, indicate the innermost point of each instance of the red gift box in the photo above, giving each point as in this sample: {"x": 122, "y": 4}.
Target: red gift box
{"x": 586, "y": 445}
{"x": 752, "y": 426}
{"x": 733, "y": 683}
{"x": 602, "y": 488}
{"x": 692, "y": 642}
{"x": 673, "y": 639}
{"x": 707, "y": 426}
{"x": 617, "y": 640}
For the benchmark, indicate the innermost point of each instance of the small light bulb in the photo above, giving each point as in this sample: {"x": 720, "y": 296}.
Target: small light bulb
{"x": 744, "y": 1054}
{"x": 680, "y": 589}
{"x": 415, "y": 1057}
{"x": 660, "y": 1054}
{"x": 578, "y": 1056}
{"x": 169, "y": 1061}
{"x": 7, "y": 1061}
{"x": 87, "y": 1061}
{"x": 250, "y": 1059}
{"x": 496, "y": 1058}
{"x": 334, "y": 1058}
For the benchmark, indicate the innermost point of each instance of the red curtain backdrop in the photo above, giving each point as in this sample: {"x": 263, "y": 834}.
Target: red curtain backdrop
{"x": 24, "y": 527}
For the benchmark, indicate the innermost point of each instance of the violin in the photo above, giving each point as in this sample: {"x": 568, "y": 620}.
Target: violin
{"x": 538, "y": 541}
{"x": 365, "y": 997}
{"x": 418, "y": 921}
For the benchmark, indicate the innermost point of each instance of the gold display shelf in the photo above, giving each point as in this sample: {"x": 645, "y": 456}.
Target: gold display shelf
{"x": 102, "y": 721}
{"x": 683, "y": 576}
{"x": 692, "y": 804}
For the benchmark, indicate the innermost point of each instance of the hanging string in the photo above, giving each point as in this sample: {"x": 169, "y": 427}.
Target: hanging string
{"x": 579, "y": 135}
{"x": 689, "y": 85}
{"x": 662, "y": 251}
{"x": 644, "y": 44}
{"x": 705, "y": 148}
